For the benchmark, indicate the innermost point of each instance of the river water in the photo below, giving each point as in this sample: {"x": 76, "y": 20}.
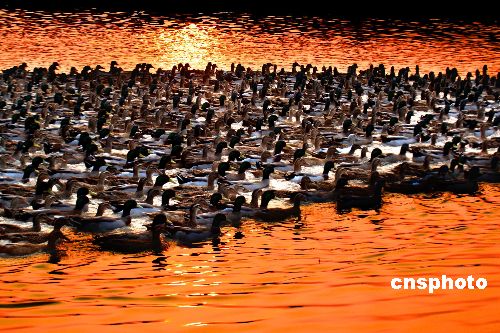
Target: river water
{"x": 329, "y": 272}
{"x": 91, "y": 38}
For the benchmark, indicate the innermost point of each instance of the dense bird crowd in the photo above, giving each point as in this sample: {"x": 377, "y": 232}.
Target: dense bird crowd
{"x": 137, "y": 157}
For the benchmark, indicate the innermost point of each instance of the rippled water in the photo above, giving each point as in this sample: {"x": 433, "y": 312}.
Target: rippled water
{"x": 91, "y": 38}
{"x": 329, "y": 273}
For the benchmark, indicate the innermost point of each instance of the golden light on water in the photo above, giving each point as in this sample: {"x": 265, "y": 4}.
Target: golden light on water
{"x": 190, "y": 44}
{"x": 79, "y": 39}
{"x": 334, "y": 271}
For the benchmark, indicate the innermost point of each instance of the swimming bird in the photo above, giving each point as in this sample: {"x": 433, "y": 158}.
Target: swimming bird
{"x": 135, "y": 242}
{"x": 104, "y": 223}
{"x": 196, "y": 235}
{"x": 280, "y": 214}
{"x": 346, "y": 201}
{"x": 25, "y": 248}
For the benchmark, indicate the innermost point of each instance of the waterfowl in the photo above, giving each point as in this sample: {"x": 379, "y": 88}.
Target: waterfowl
{"x": 280, "y": 214}
{"x": 183, "y": 125}
{"x": 135, "y": 242}
{"x": 208, "y": 181}
{"x": 13, "y": 201}
{"x": 30, "y": 170}
{"x": 166, "y": 196}
{"x": 264, "y": 182}
{"x": 393, "y": 158}
{"x": 297, "y": 177}
{"x": 306, "y": 183}
{"x": 103, "y": 223}
{"x": 224, "y": 167}
{"x": 233, "y": 213}
{"x": 346, "y": 201}
{"x": 196, "y": 235}
{"x": 26, "y": 248}
{"x": 444, "y": 182}
{"x": 6, "y": 228}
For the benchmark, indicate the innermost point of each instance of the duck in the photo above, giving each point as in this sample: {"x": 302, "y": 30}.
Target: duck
{"x": 104, "y": 223}
{"x": 30, "y": 170}
{"x": 353, "y": 139}
{"x": 394, "y": 158}
{"x": 208, "y": 181}
{"x": 136, "y": 242}
{"x": 166, "y": 196}
{"x": 233, "y": 213}
{"x": 187, "y": 235}
{"x": 346, "y": 201}
{"x": 6, "y": 228}
{"x": 24, "y": 248}
{"x": 491, "y": 175}
{"x": 445, "y": 182}
{"x": 280, "y": 214}
{"x": 306, "y": 183}
{"x": 241, "y": 175}
{"x": 297, "y": 177}
{"x": 264, "y": 182}
{"x": 13, "y": 201}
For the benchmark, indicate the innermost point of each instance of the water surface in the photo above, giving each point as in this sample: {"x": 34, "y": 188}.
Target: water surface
{"x": 328, "y": 273}
{"x": 91, "y": 38}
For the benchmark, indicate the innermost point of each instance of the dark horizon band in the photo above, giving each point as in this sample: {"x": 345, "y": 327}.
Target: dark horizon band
{"x": 424, "y": 9}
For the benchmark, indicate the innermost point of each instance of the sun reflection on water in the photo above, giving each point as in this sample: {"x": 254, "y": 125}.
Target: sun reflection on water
{"x": 91, "y": 38}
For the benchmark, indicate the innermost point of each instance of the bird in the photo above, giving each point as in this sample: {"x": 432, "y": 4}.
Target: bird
{"x": 23, "y": 248}
{"x": 135, "y": 242}
{"x": 104, "y": 223}
{"x": 347, "y": 201}
{"x": 197, "y": 235}
{"x": 280, "y": 214}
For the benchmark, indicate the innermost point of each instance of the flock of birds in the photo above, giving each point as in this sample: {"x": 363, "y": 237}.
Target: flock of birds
{"x": 143, "y": 157}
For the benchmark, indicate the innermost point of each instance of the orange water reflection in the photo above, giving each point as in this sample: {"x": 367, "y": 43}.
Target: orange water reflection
{"x": 78, "y": 39}
{"x": 331, "y": 274}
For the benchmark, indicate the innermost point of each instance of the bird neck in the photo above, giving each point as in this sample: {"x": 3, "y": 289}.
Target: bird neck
{"x": 36, "y": 225}
{"x": 150, "y": 198}
{"x": 156, "y": 239}
{"x": 296, "y": 203}
{"x": 126, "y": 212}
{"x": 100, "y": 210}
{"x": 215, "y": 229}
{"x": 265, "y": 175}
{"x": 165, "y": 201}
{"x": 192, "y": 217}
{"x": 237, "y": 207}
